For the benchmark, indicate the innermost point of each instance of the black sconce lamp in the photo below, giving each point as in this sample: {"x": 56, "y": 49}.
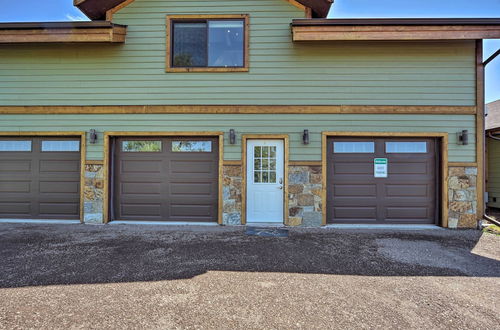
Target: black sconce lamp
{"x": 463, "y": 137}
{"x": 305, "y": 136}
{"x": 232, "y": 136}
{"x": 93, "y": 136}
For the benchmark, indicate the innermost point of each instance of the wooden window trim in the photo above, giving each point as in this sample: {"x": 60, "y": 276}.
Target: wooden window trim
{"x": 246, "y": 42}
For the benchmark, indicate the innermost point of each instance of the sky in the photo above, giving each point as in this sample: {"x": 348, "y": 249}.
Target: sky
{"x": 63, "y": 10}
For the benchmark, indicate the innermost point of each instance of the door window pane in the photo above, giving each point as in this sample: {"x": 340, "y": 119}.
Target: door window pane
{"x": 141, "y": 146}
{"x": 54, "y": 146}
{"x": 192, "y": 146}
{"x": 226, "y": 39}
{"x": 406, "y": 147}
{"x": 353, "y": 147}
{"x": 13, "y": 145}
{"x": 264, "y": 164}
{"x": 189, "y": 44}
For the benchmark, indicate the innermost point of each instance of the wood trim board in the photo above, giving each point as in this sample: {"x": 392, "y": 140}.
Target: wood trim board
{"x": 240, "y": 109}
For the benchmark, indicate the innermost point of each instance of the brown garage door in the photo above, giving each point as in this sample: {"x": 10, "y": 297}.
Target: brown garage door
{"x": 408, "y": 195}
{"x": 40, "y": 178}
{"x": 165, "y": 179}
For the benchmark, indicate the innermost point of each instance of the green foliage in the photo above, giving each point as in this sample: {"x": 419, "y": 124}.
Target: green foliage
{"x": 142, "y": 146}
{"x": 183, "y": 60}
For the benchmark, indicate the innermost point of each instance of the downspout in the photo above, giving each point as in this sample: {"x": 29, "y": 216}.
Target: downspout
{"x": 490, "y": 135}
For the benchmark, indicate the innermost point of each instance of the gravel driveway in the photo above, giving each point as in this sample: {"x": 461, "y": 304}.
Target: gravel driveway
{"x": 82, "y": 276}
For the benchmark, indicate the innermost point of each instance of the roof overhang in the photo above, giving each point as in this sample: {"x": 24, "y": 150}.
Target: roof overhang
{"x": 62, "y": 32}
{"x": 395, "y": 29}
{"x": 100, "y": 9}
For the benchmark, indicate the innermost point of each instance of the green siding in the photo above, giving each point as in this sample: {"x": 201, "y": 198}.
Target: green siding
{"x": 493, "y": 172}
{"x": 293, "y": 125}
{"x": 281, "y": 72}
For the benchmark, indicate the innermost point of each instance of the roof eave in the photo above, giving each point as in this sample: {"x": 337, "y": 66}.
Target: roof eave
{"x": 394, "y": 29}
{"x": 97, "y": 9}
{"x": 62, "y": 32}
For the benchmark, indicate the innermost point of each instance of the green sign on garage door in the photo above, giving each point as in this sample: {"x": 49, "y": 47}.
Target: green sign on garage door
{"x": 380, "y": 168}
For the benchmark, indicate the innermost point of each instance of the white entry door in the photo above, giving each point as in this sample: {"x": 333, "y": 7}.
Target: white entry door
{"x": 265, "y": 180}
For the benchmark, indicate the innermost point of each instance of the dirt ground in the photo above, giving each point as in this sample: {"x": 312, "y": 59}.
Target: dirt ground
{"x": 121, "y": 277}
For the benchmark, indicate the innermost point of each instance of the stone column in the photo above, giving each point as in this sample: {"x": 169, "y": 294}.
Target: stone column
{"x": 462, "y": 197}
{"x": 231, "y": 195}
{"x": 304, "y": 196}
{"x": 93, "y": 210}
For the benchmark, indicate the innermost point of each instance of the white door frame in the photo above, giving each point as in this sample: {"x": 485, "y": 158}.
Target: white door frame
{"x": 285, "y": 140}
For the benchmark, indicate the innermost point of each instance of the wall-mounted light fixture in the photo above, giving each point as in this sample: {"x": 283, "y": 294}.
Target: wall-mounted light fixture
{"x": 93, "y": 136}
{"x": 232, "y": 136}
{"x": 463, "y": 137}
{"x": 305, "y": 136}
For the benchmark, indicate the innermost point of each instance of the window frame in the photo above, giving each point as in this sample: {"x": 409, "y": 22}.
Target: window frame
{"x": 170, "y": 19}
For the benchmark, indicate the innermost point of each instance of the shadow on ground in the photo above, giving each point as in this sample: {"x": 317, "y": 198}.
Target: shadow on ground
{"x": 33, "y": 255}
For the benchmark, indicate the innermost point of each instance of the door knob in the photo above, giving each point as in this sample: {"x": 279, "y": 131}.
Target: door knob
{"x": 280, "y": 187}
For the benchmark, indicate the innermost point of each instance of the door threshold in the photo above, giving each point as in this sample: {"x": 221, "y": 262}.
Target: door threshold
{"x": 51, "y": 221}
{"x": 163, "y": 223}
{"x": 265, "y": 224}
{"x": 389, "y": 226}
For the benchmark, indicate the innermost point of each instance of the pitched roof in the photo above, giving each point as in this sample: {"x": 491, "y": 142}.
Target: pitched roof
{"x": 96, "y": 9}
{"x": 493, "y": 117}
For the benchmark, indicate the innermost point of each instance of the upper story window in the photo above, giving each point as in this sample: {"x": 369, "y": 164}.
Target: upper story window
{"x": 201, "y": 43}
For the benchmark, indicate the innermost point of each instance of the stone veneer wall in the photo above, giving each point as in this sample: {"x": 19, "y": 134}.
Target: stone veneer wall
{"x": 93, "y": 194}
{"x": 231, "y": 195}
{"x": 462, "y": 197}
{"x": 304, "y": 196}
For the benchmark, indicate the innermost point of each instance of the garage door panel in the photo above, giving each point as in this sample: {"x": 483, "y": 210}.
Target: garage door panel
{"x": 15, "y": 186}
{"x": 58, "y": 208}
{"x": 60, "y": 166}
{"x": 356, "y": 213}
{"x": 15, "y": 208}
{"x": 141, "y": 166}
{"x": 17, "y": 166}
{"x": 60, "y": 187}
{"x": 353, "y": 168}
{"x": 192, "y": 189}
{"x": 183, "y": 185}
{"x": 192, "y": 167}
{"x": 407, "y": 212}
{"x": 409, "y": 168}
{"x": 191, "y": 210}
{"x": 137, "y": 209}
{"x": 406, "y": 190}
{"x": 142, "y": 188}
{"x": 407, "y": 195}
{"x": 353, "y": 190}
